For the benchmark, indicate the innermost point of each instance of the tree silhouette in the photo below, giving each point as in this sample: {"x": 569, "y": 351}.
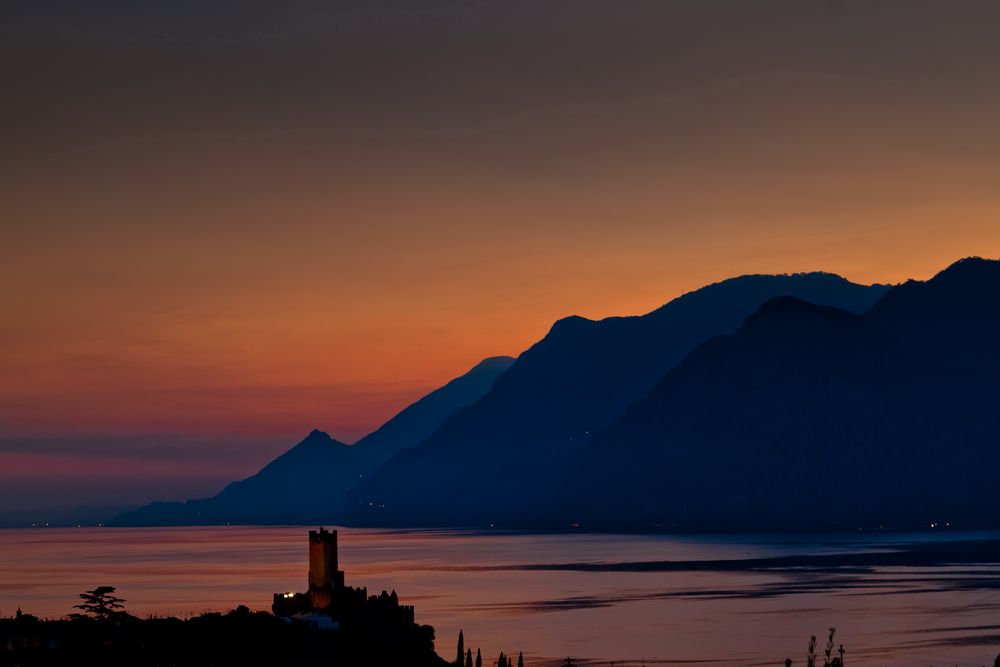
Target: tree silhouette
{"x": 479, "y": 659}
{"x": 461, "y": 649}
{"x": 100, "y": 603}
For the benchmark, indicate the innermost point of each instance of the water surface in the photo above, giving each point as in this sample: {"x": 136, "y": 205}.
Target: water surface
{"x": 652, "y": 599}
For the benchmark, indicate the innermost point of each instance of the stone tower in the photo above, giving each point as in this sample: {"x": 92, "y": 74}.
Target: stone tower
{"x": 324, "y": 577}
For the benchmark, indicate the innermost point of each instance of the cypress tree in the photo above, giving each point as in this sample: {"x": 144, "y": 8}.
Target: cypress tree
{"x": 461, "y": 649}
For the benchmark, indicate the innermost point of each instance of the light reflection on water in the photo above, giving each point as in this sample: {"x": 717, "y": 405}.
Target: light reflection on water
{"x": 474, "y": 581}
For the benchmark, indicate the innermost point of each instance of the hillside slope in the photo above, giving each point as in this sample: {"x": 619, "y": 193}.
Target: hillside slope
{"x": 308, "y": 483}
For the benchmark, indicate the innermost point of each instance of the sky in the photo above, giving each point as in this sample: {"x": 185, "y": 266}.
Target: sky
{"x": 223, "y": 224}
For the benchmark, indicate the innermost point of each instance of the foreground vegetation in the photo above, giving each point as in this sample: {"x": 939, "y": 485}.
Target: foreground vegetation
{"x": 104, "y": 634}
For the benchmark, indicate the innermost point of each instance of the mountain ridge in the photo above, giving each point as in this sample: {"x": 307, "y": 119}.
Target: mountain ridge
{"x": 867, "y": 420}
{"x": 570, "y": 384}
{"x": 308, "y": 482}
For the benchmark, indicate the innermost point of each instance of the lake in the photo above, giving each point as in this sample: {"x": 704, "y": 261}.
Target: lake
{"x": 600, "y": 598}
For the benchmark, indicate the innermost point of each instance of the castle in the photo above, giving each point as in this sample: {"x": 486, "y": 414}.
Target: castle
{"x": 329, "y": 596}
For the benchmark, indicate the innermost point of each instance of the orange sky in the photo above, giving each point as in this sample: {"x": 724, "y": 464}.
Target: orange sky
{"x": 309, "y": 216}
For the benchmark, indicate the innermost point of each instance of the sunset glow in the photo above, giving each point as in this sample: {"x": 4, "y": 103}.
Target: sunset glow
{"x": 316, "y": 229}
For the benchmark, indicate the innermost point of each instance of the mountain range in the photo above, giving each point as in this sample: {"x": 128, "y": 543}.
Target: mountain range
{"x": 496, "y": 461}
{"x": 763, "y": 402}
{"x": 812, "y": 417}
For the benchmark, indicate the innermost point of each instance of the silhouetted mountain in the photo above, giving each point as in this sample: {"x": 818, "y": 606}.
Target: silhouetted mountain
{"x": 811, "y": 417}
{"x": 422, "y": 418}
{"x": 308, "y": 483}
{"x": 498, "y": 458}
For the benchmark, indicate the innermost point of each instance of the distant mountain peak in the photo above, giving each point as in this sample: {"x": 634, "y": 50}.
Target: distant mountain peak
{"x": 570, "y": 322}
{"x": 748, "y": 282}
{"x": 490, "y": 363}
{"x": 308, "y": 482}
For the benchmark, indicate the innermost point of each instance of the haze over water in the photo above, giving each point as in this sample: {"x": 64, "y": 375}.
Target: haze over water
{"x": 478, "y": 582}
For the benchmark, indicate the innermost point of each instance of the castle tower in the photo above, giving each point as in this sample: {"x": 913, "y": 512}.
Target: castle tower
{"x": 322, "y": 558}
{"x": 324, "y": 577}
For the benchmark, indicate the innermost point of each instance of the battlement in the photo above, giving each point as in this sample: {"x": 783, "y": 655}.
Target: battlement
{"x": 323, "y": 536}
